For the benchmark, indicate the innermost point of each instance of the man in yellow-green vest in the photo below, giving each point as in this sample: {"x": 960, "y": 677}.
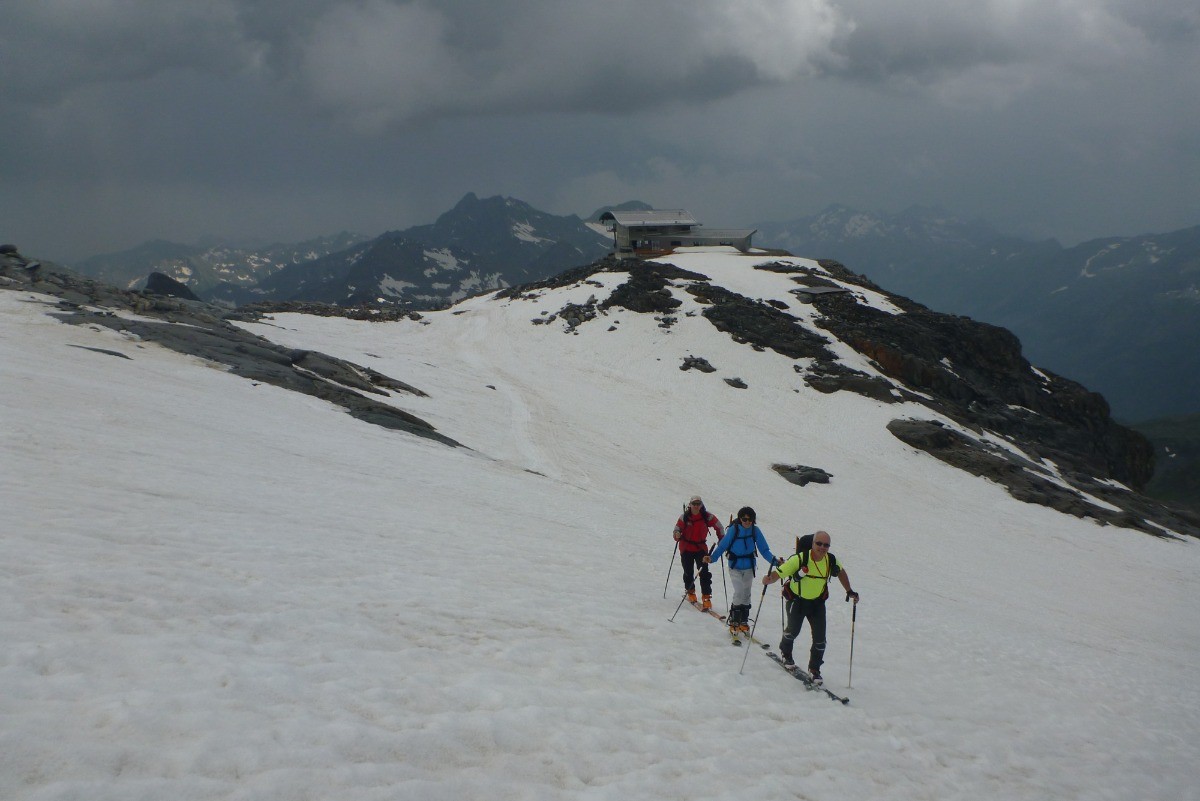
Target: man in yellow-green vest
{"x": 807, "y": 575}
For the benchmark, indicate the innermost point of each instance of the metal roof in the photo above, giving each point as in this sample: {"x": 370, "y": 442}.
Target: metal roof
{"x": 631, "y": 219}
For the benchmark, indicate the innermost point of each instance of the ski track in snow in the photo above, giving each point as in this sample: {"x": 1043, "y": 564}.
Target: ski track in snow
{"x": 216, "y": 589}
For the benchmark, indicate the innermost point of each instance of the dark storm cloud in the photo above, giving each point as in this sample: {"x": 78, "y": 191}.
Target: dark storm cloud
{"x": 52, "y": 48}
{"x": 382, "y": 62}
{"x": 179, "y": 116}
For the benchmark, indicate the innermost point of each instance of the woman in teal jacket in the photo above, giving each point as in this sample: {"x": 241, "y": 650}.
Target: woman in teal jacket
{"x": 741, "y": 546}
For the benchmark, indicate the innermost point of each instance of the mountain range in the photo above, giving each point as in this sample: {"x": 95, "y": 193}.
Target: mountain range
{"x": 1120, "y": 315}
{"x": 217, "y": 272}
{"x": 479, "y": 245}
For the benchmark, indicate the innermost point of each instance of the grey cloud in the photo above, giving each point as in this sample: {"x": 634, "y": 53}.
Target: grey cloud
{"x": 50, "y": 49}
{"x": 931, "y": 40}
{"x": 126, "y": 119}
{"x": 380, "y": 63}
{"x": 386, "y": 62}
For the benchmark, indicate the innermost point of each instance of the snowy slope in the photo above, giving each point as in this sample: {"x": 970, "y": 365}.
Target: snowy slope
{"x": 212, "y": 588}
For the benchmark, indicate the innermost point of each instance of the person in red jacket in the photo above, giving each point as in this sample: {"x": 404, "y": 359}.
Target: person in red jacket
{"x": 691, "y": 532}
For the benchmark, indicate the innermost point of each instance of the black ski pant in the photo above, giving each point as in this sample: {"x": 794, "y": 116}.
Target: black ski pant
{"x": 797, "y": 610}
{"x": 692, "y": 560}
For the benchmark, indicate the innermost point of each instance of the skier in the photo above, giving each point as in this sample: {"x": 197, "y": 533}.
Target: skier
{"x": 691, "y": 532}
{"x": 805, "y": 593}
{"x": 742, "y": 544}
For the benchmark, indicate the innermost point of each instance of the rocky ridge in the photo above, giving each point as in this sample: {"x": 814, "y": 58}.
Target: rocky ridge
{"x": 199, "y": 329}
{"x": 1047, "y": 439}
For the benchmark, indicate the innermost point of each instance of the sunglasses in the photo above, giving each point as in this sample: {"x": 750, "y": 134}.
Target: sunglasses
{"x": 746, "y": 519}
{"x": 695, "y": 503}
{"x": 820, "y": 544}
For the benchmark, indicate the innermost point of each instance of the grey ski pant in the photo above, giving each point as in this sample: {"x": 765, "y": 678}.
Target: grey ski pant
{"x": 742, "y": 581}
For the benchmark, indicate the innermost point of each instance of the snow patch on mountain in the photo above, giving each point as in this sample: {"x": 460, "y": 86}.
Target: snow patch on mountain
{"x": 526, "y": 233}
{"x": 446, "y": 260}
{"x": 393, "y": 286}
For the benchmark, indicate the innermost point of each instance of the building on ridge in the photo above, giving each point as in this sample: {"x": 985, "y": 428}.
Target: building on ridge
{"x": 656, "y": 231}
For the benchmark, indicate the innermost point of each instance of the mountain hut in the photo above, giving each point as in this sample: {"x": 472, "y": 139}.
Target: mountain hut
{"x": 657, "y": 231}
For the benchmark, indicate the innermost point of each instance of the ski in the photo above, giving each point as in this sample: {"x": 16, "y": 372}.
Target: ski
{"x": 696, "y": 605}
{"x": 801, "y": 676}
{"x": 756, "y": 641}
{"x": 734, "y": 639}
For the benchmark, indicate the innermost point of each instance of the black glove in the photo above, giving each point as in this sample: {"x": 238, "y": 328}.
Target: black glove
{"x": 853, "y": 595}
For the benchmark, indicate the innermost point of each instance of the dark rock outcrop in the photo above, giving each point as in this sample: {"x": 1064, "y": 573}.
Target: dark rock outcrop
{"x": 1034, "y": 483}
{"x": 973, "y": 373}
{"x": 159, "y": 284}
{"x": 801, "y": 475}
{"x": 759, "y": 324}
{"x": 697, "y": 363}
{"x": 976, "y": 375}
{"x": 829, "y": 377}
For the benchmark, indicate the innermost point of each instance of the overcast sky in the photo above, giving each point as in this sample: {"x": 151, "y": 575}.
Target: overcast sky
{"x": 128, "y": 120}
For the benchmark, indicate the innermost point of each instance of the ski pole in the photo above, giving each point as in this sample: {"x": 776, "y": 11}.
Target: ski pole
{"x": 761, "y": 597}
{"x": 724, "y": 586}
{"x": 681, "y": 600}
{"x": 853, "y": 618}
{"x": 670, "y": 568}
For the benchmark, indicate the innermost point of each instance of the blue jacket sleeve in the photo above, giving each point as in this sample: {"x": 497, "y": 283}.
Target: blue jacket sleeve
{"x": 763, "y": 548}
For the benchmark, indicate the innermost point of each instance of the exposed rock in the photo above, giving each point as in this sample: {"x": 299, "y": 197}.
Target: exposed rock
{"x": 1032, "y": 483}
{"x": 829, "y": 377}
{"x": 802, "y": 475}
{"x": 697, "y": 363}
{"x": 975, "y": 374}
{"x": 105, "y": 351}
{"x": 574, "y": 314}
{"x": 755, "y": 323}
{"x": 737, "y": 383}
{"x": 159, "y": 284}
{"x": 645, "y": 291}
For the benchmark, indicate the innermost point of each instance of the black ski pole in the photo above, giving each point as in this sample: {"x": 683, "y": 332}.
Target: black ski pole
{"x": 724, "y": 587}
{"x": 853, "y": 618}
{"x": 752, "y": 628}
{"x": 681, "y": 600}
{"x": 670, "y": 568}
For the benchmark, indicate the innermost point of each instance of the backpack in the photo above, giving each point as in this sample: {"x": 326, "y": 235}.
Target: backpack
{"x": 803, "y": 546}
{"x": 705, "y": 515}
{"x": 752, "y": 556}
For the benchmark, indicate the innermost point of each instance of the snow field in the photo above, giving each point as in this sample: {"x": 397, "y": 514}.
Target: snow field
{"x": 212, "y": 589}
